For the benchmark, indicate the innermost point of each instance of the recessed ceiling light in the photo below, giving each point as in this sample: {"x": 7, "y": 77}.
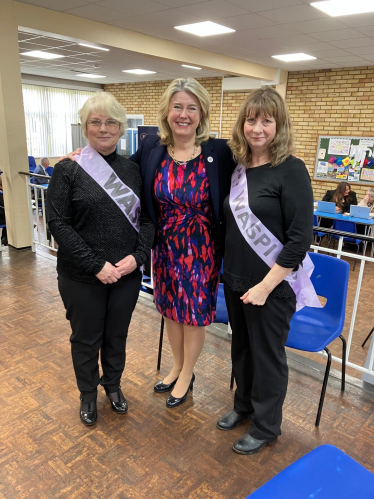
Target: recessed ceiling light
{"x": 336, "y": 8}
{"x": 93, "y": 46}
{"x": 206, "y": 28}
{"x": 294, "y": 57}
{"x": 89, "y": 75}
{"x": 42, "y": 55}
{"x": 192, "y": 67}
{"x": 138, "y": 71}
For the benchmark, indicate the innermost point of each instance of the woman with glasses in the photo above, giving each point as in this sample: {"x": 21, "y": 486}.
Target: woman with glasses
{"x": 104, "y": 234}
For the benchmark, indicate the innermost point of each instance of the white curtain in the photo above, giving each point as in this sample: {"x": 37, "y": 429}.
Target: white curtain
{"x": 49, "y": 113}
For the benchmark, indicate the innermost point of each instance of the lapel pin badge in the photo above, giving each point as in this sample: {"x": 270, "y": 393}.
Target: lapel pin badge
{"x": 210, "y": 159}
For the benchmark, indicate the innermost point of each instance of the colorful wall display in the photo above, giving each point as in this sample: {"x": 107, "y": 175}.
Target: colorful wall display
{"x": 345, "y": 158}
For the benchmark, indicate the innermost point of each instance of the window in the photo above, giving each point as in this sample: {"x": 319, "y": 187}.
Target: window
{"x": 49, "y": 113}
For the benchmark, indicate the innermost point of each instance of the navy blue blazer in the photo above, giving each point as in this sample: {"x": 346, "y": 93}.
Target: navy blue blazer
{"x": 219, "y": 166}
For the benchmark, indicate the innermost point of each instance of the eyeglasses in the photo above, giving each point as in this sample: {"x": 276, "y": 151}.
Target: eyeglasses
{"x": 109, "y": 124}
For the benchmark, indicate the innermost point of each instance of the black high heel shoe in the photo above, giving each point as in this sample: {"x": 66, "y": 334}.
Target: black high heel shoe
{"x": 161, "y": 387}
{"x": 174, "y": 401}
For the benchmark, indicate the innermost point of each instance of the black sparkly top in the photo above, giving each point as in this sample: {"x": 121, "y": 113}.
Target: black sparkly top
{"x": 88, "y": 226}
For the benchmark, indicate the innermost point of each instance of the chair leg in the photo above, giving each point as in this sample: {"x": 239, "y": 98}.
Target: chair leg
{"x": 344, "y": 355}
{"x": 367, "y": 337}
{"x": 324, "y": 386}
{"x": 160, "y": 343}
{"x": 232, "y": 380}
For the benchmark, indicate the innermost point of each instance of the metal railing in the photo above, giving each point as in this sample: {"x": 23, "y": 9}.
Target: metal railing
{"x": 36, "y": 196}
{"x": 368, "y": 368}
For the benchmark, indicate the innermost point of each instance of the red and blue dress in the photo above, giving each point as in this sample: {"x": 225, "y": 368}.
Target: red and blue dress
{"x": 185, "y": 260}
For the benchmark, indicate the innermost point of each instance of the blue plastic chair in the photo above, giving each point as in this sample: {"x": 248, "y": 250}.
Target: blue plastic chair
{"x": 346, "y": 226}
{"x": 324, "y": 473}
{"x": 49, "y": 170}
{"x": 313, "y": 329}
{"x": 318, "y": 235}
{"x": 32, "y": 164}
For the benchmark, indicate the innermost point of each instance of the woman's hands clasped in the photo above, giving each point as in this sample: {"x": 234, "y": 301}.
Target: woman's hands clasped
{"x": 256, "y": 295}
{"x": 110, "y": 274}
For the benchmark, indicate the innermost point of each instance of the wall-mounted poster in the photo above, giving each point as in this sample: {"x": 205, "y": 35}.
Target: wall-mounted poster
{"x": 345, "y": 158}
{"x": 339, "y": 145}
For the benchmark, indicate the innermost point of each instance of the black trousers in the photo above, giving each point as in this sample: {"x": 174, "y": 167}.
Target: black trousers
{"x": 259, "y": 335}
{"x": 99, "y": 316}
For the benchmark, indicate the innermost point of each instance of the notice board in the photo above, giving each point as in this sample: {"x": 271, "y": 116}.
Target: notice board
{"x": 348, "y": 159}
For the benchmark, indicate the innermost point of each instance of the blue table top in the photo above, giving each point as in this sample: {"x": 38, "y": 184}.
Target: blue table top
{"x": 340, "y": 216}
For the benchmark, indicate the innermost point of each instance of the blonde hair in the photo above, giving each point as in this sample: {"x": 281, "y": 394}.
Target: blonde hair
{"x": 191, "y": 86}
{"x": 268, "y": 103}
{"x": 108, "y": 105}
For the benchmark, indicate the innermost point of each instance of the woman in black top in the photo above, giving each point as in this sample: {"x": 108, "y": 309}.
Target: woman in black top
{"x": 259, "y": 301}
{"x": 342, "y": 196}
{"x": 101, "y": 248}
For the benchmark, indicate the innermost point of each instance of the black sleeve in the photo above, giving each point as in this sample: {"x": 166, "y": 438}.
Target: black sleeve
{"x": 353, "y": 199}
{"x": 328, "y": 196}
{"x": 59, "y": 215}
{"x": 297, "y": 212}
{"x": 146, "y": 235}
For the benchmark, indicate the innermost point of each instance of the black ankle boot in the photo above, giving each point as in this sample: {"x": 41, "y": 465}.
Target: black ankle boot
{"x": 117, "y": 401}
{"x": 88, "y": 412}
{"x": 174, "y": 401}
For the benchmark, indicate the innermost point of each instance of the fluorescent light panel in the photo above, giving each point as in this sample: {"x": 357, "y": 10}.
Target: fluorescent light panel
{"x": 294, "y": 57}
{"x": 138, "y": 71}
{"x": 206, "y": 28}
{"x": 192, "y": 67}
{"x": 90, "y": 75}
{"x": 93, "y": 47}
{"x": 337, "y": 8}
{"x": 42, "y": 55}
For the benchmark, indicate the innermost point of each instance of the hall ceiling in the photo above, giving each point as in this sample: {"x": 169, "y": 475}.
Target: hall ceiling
{"x": 263, "y": 28}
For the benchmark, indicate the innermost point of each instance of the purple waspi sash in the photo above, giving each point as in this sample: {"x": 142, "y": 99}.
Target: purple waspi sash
{"x": 99, "y": 170}
{"x": 265, "y": 244}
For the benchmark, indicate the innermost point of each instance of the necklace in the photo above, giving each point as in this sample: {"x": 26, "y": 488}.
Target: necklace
{"x": 181, "y": 162}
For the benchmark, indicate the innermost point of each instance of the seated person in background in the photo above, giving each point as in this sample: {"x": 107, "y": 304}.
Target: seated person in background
{"x": 343, "y": 197}
{"x": 368, "y": 200}
{"x": 41, "y": 170}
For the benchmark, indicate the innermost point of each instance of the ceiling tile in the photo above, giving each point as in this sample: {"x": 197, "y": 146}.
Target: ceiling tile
{"x": 363, "y": 51}
{"x": 58, "y": 4}
{"x": 165, "y": 19}
{"x": 347, "y": 58}
{"x": 359, "y": 20}
{"x": 353, "y": 42}
{"x": 317, "y": 25}
{"x": 260, "y": 5}
{"x": 367, "y": 31}
{"x": 214, "y": 9}
{"x": 339, "y": 34}
{"x": 274, "y": 31}
{"x": 95, "y": 13}
{"x": 293, "y": 14}
{"x": 247, "y": 21}
{"x": 132, "y": 8}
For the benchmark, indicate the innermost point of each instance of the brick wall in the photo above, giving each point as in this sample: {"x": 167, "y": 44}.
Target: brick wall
{"x": 323, "y": 102}
{"x": 330, "y": 102}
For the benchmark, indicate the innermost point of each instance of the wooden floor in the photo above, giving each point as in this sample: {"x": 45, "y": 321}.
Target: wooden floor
{"x": 152, "y": 452}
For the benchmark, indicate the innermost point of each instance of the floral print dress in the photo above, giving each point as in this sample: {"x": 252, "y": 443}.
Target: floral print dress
{"x": 185, "y": 260}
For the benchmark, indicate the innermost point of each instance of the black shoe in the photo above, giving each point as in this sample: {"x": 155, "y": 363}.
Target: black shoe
{"x": 88, "y": 412}
{"x": 161, "y": 387}
{"x": 117, "y": 401}
{"x": 174, "y": 402}
{"x": 249, "y": 445}
{"x": 230, "y": 420}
